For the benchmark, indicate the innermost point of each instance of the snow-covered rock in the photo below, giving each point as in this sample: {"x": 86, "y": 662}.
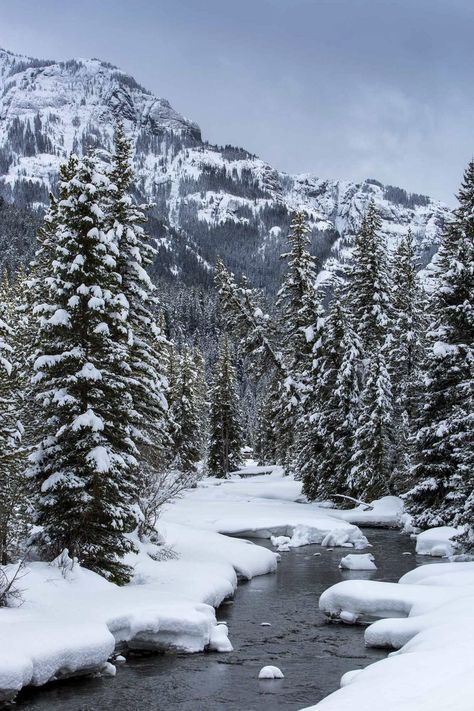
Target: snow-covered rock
{"x": 364, "y": 561}
{"x": 437, "y": 542}
{"x": 219, "y": 640}
{"x": 270, "y": 672}
{"x": 281, "y": 543}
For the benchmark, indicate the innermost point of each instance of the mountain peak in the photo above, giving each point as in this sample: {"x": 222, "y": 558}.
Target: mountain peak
{"x": 219, "y": 199}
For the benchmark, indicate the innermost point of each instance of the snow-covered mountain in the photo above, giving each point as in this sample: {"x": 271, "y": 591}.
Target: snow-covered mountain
{"x": 208, "y": 199}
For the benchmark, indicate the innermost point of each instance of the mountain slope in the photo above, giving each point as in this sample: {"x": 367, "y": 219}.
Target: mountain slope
{"x": 209, "y": 200}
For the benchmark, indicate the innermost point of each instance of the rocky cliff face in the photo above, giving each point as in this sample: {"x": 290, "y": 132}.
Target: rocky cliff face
{"x": 208, "y": 199}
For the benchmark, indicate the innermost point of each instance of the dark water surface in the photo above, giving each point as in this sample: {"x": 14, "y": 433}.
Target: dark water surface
{"x": 312, "y": 653}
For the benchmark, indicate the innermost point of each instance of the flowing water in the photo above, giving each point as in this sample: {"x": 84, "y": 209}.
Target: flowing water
{"x": 312, "y": 653}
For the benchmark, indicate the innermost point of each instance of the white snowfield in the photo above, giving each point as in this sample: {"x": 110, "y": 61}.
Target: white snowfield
{"x": 269, "y": 505}
{"x": 71, "y": 625}
{"x": 68, "y": 626}
{"x": 430, "y": 621}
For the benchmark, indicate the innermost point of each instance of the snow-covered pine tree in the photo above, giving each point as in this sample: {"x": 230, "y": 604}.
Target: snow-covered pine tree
{"x": 324, "y": 460}
{"x": 85, "y": 462}
{"x": 300, "y": 317}
{"x": 369, "y": 284}
{"x": 147, "y": 383}
{"x": 405, "y": 353}
{"x": 296, "y": 301}
{"x": 369, "y": 296}
{"x": 345, "y": 409}
{"x": 14, "y": 499}
{"x": 374, "y": 447}
{"x": 443, "y": 490}
{"x": 315, "y": 426}
{"x": 187, "y": 434}
{"x": 202, "y": 398}
{"x": 226, "y": 440}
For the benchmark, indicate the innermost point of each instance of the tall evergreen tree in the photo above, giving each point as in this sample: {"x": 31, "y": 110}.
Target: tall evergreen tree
{"x": 445, "y": 428}
{"x": 325, "y": 456}
{"x": 344, "y": 405}
{"x": 225, "y": 427}
{"x": 369, "y": 285}
{"x": 405, "y": 353}
{"x": 145, "y": 339}
{"x": 14, "y": 499}
{"x": 296, "y": 299}
{"x": 369, "y": 293}
{"x": 85, "y": 462}
{"x": 374, "y": 447}
{"x": 300, "y": 315}
{"x": 187, "y": 434}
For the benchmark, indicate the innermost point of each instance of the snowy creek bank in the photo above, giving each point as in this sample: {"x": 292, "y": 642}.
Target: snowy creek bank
{"x": 428, "y": 619}
{"x": 312, "y": 654}
{"x": 71, "y": 623}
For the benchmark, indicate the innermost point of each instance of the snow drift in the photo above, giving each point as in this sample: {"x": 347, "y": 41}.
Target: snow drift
{"x": 429, "y": 620}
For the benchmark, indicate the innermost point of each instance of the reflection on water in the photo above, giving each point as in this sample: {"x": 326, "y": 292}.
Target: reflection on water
{"x": 312, "y": 653}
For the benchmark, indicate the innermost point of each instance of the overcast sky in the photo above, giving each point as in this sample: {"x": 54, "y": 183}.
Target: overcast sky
{"x": 339, "y": 88}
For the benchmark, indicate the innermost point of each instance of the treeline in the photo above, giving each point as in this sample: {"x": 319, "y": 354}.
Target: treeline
{"x": 103, "y": 416}
{"x": 373, "y": 394}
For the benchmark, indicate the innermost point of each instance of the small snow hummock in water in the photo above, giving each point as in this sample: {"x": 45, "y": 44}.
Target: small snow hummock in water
{"x": 219, "y": 640}
{"x": 281, "y": 543}
{"x": 363, "y": 561}
{"x": 271, "y": 673}
{"x": 108, "y": 670}
{"x": 265, "y": 624}
{"x": 350, "y": 618}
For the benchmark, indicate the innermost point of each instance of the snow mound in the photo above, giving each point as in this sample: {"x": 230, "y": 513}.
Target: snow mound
{"x": 281, "y": 543}
{"x": 263, "y": 506}
{"x": 436, "y": 542}
{"x": 386, "y": 512}
{"x": 71, "y": 624}
{"x": 270, "y": 672}
{"x": 219, "y": 640}
{"x": 429, "y": 618}
{"x": 363, "y": 561}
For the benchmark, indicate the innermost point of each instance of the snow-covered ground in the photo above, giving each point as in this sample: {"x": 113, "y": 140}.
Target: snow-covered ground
{"x": 71, "y": 622}
{"x": 273, "y": 505}
{"x": 428, "y": 617}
